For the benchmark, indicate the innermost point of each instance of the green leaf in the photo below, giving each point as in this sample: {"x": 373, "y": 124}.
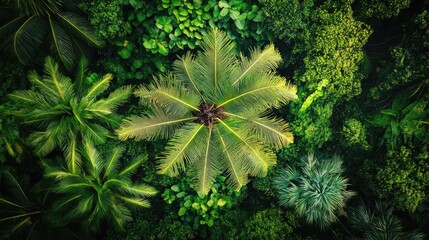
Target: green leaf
{"x": 168, "y": 28}
{"x": 176, "y": 188}
{"x": 195, "y": 206}
{"x": 182, "y": 211}
{"x": 141, "y": 17}
{"x": 183, "y": 12}
{"x": 124, "y": 53}
{"x": 163, "y": 50}
{"x": 188, "y": 203}
{"x": 221, "y": 202}
{"x": 223, "y": 4}
{"x": 224, "y": 12}
{"x": 177, "y": 3}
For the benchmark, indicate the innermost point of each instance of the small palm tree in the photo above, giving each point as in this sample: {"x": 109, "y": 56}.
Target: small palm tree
{"x": 65, "y": 111}
{"x": 316, "y": 191}
{"x": 215, "y": 109}
{"x": 50, "y": 24}
{"x": 22, "y": 213}
{"x": 101, "y": 190}
{"x": 380, "y": 223}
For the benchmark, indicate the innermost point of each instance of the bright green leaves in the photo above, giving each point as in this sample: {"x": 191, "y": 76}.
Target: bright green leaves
{"x": 213, "y": 109}
{"x": 102, "y": 190}
{"x": 198, "y": 209}
{"x": 65, "y": 113}
{"x": 404, "y": 120}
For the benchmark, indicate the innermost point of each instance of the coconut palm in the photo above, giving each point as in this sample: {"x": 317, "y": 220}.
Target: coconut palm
{"x": 380, "y": 224}
{"x": 27, "y": 27}
{"x": 101, "y": 190}
{"x": 64, "y": 111}
{"x": 213, "y": 107}
{"x": 316, "y": 190}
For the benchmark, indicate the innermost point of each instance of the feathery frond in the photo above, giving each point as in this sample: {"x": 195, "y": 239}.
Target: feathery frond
{"x": 102, "y": 191}
{"x": 60, "y": 114}
{"x": 212, "y": 110}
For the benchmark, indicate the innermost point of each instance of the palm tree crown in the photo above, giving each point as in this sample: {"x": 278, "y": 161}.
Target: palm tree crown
{"x": 50, "y": 24}
{"x": 102, "y": 190}
{"x": 215, "y": 109}
{"x": 65, "y": 111}
{"x": 380, "y": 223}
{"x": 316, "y": 190}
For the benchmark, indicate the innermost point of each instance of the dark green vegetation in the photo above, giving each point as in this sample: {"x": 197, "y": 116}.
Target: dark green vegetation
{"x": 214, "y": 84}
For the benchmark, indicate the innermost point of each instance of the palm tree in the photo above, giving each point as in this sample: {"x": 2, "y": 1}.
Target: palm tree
{"x": 10, "y": 144}
{"x": 23, "y": 213}
{"x": 66, "y": 111}
{"x": 215, "y": 109}
{"x": 380, "y": 223}
{"x": 27, "y": 27}
{"x": 100, "y": 190}
{"x": 316, "y": 191}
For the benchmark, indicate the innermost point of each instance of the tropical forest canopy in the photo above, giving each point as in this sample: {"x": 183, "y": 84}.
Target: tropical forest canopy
{"x": 204, "y": 119}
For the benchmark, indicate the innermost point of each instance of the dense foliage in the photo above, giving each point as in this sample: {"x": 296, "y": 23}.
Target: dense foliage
{"x": 80, "y": 154}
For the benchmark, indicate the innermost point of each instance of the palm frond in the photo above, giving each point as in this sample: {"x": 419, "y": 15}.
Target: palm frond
{"x": 257, "y": 95}
{"x": 185, "y": 71}
{"x": 110, "y": 104}
{"x": 141, "y": 190}
{"x": 113, "y": 162}
{"x": 187, "y": 144}
{"x": 80, "y": 26}
{"x": 215, "y": 63}
{"x": 258, "y": 161}
{"x": 73, "y": 155}
{"x": 29, "y": 98}
{"x": 237, "y": 176}
{"x": 158, "y": 125}
{"x": 171, "y": 95}
{"x": 8, "y": 28}
{"x": 259, "y": 61}
{"x": 275, "y": 132}
{"x": 62, "y": 44}
{"x": 29, "y": 38}
{"x": 136, "y": 201}
{"x": 99, "y": 87}
{"x": 57, "y": 81}
{"x": 131, "y": 167}
{"x": 208, "y": 166}
{"x": 79, "y": 79}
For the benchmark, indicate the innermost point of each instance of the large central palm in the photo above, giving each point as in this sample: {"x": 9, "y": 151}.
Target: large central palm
{"x": 214, "y": 107}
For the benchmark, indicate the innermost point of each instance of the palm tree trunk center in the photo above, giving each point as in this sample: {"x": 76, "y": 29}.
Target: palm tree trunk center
{"x": 208, "y": 112}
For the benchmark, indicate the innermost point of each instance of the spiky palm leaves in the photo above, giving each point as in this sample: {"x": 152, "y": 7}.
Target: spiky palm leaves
{"x": 380, "y": 224}
{"x": 214, "y": 108}
{"x": 66, "y": 112}
{"x": 50, "y": 24}
{"x": 101, "y": 190}
{"x": 22, "y": 213}
{"x": 316, "y": 190}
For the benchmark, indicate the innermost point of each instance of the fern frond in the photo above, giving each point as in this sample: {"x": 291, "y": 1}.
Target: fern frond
{"x": 99, "y": 87}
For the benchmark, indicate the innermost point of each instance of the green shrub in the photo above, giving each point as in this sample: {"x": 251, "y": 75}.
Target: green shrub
{"x": 402, "y": 177}
{"x": 354, "y": 135}
{"x": 199, "y": 209}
